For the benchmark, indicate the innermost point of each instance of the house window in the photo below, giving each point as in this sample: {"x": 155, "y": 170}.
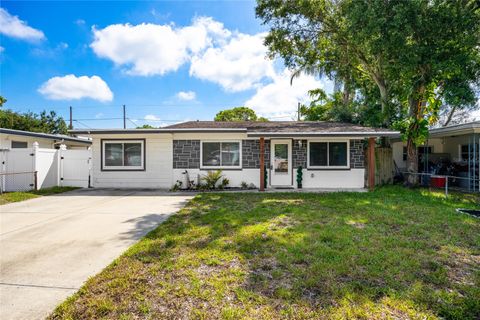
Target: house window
{"x": 421, "y": 150}
{"x": 221, "y": 154}
{"x": 123, "y": 155}
{"x": 19, "y": 144}
{"x": 464, "y": 154}
{"x": 328, "y": 154}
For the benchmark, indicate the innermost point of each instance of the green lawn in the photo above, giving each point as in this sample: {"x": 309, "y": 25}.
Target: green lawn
{"x": 393, "y": 253}
{"x": 21, "y": 196}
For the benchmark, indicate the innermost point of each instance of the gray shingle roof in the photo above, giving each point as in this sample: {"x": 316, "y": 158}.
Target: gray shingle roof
{"x": 258, "y": 129}
{"x": 279, "y": 126}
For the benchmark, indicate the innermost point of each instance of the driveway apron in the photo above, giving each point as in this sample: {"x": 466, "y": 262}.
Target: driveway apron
{"x": 49, "y": 246}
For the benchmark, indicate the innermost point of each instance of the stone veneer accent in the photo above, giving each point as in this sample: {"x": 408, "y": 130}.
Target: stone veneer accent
{"x": 357, "y": 154}
{"x": 251, "y": 154}
{"x": 299, "y": 154}
{"x": 186, "y": 154}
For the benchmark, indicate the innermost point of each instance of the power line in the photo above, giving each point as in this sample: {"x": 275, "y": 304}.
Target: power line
{"x": 127, "y": 105}
{"x": 132, "y": 119}
{"x": 83, "y": 124}
{"x": 132, "y": 122}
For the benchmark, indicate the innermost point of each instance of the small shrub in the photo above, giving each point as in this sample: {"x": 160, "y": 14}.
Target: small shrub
{"x": 211, "y": 179}
{"x": 244, "y": 185}
{"x": 177, "y": 186}
{"x": 252, "y": 186}
{"x": 224, "y": 183}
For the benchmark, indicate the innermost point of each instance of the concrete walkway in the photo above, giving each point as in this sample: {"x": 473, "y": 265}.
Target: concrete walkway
{"x": 49, "y": 246}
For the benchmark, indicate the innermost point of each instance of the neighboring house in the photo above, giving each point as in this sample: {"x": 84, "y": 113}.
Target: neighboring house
{"x": 332, "y": 155}
{"x": 452, "y": 150}
{"x": 32, "y": 160}
{"x": 18, "y": 139}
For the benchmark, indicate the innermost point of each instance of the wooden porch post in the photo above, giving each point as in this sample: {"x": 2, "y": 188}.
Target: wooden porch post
{"x": 371, "y": 163}
{"x": 262, "y": 164}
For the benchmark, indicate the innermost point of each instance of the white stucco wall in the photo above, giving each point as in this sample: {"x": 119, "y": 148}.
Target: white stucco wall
{"x": 158, "y": 164}
{"x": 236, "y": 177}
{"x": 343, "y": 179}
{"x": 159, "y": 172}
{"x": 397, "y": 150}
{"x": 6, "y": 142}
{"x": 452, "y": 146}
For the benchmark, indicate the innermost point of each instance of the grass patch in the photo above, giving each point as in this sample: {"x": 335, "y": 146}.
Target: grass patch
{"x": 393, "y": 253}
{"x": 9, "y": 197}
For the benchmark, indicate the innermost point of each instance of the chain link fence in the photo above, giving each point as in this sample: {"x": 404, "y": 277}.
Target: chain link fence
{"x": 444, "y": 183}
{"x": 18, "y": 181}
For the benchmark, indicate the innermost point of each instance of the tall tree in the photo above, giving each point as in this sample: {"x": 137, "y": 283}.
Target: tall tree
{"x": 2, "y": 101}
{"x": 418, "y": 54}
{"x": 238, "y": 114}
{"x": 44, "y": 122}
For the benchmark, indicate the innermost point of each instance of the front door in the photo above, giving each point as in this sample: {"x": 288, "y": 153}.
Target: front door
{"x": 281, "y": 163}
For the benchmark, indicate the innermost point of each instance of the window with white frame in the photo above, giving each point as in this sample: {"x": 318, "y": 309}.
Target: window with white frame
{"x": 328, "y": 154}
{"x": 221, "y": 154}
{"x": 123, "y": 155}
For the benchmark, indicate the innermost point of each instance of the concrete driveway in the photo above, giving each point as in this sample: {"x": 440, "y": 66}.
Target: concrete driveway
{"x": 49, "y": 246}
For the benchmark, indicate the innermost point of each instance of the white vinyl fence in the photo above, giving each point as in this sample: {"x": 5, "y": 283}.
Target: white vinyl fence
{"x": 27, "y": 169}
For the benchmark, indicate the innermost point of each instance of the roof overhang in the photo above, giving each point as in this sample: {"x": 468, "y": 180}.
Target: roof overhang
{"x": 44, "y": 136}
{"x": 239, "y": 130}
{"x": 323, "y": 134}
{"x": 456, "y": 130}
{"x": 140, "y": 131}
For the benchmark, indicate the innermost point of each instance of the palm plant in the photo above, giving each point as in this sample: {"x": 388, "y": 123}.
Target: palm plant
{"x": 211, "y": 179}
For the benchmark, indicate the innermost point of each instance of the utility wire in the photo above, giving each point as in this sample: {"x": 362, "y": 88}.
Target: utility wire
{"x": 134, "y": 124}
{"x": 83, "y": 124}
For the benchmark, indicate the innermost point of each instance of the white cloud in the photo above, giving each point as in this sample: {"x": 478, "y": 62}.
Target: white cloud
{"x": 151, "y": 117}
{"x": 2, "y": 49}
{"x": 237, "y": 65}
{"x": 186, "y": 95}
{"x": 71, "y": 87}
{"x": 279, "y": 98}
{"x": 151, "y": 49}
{"x": 13, "y": 27}
{"x": 233, "y": 60}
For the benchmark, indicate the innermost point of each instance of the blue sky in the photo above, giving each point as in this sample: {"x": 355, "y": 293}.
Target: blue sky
{"x": 166, "y": 61}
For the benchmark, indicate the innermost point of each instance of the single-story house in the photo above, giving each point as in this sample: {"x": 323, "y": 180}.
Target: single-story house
{"x": 332, "y": 155}
{"x": 18, "y": 139}
{"x": 453, "y": 150}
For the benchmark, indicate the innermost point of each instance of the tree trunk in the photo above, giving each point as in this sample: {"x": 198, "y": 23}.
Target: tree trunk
{"x": 383, "y": 96}
{"x": 416, "y": 105}
{"x": 412, "y": 163}
{"x": 347, "y": 92}
{"x": 382, "y": 87}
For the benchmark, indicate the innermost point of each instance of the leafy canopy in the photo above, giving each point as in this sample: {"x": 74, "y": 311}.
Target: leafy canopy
{"x": 46, "y": 122}
{"x": 146, "y": 126}
{"x": 238, "y": 114}
{"x": 2, "y": 101}
{"x": 407, "y": 60}
{"x": 403, "y": 60}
